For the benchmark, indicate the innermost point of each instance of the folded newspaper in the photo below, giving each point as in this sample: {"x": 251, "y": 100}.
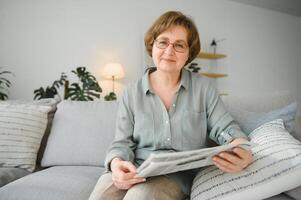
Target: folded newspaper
{"x": 165, "y": 163}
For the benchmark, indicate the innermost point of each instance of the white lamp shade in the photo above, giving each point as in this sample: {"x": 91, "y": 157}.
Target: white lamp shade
{"x": 113, "y": 70}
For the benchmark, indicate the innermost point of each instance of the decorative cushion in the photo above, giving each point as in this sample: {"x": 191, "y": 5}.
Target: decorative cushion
{"x": 276, "y": 168}
{"x": 248, "y": 121}
{"x": 22, "y": 126}
{"x": 52, "y": 102}
{"x": 81, "y": 133}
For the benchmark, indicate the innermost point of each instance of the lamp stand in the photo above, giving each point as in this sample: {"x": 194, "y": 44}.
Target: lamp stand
{"x": 113, "y": 80}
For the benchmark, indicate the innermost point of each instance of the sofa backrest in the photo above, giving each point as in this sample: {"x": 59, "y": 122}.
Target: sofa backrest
{"x": 263, "y": 103}
{"x": 81, "y": 133}
{"x": 259, "y": 102}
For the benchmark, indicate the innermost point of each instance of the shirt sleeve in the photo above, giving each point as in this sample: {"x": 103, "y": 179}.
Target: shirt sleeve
{"x": 123, "y": 145}
{"x": 221, "y": 126}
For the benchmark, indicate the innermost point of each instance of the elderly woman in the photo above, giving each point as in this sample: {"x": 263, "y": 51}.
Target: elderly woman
{"x": 168, "y": 109}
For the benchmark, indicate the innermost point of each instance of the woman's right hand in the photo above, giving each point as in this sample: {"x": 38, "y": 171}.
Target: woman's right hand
{"x": 124, "y": 174}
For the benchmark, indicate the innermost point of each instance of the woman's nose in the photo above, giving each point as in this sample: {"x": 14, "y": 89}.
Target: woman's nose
{"x": 169, "y": 49}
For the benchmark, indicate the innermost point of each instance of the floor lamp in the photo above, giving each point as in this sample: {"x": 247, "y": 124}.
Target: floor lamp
{"x": 113, "y": 71}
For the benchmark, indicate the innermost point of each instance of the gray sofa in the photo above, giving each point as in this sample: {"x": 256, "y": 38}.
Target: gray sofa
{"x": 71, "y": 157}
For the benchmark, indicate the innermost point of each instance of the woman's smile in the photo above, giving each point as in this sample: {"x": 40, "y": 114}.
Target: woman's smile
{"x": 168, "y": 60}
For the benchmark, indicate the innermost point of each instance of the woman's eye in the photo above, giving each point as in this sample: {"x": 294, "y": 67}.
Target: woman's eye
{"x": 163, "y": 43}
{"x": 181, "y": 46}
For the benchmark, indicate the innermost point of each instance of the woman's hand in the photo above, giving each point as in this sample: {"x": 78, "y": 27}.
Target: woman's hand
{"x": 234, "y": 161}
{"x": 124, "y": 174}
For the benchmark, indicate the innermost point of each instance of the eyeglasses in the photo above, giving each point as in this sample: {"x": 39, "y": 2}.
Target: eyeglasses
{"x": 178, "y": 46}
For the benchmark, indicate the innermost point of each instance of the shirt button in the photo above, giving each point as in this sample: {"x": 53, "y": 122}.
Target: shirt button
{"x": 166, "y": 121}
{"x": 174, "y": 105}
{"x": 168, "y": 139}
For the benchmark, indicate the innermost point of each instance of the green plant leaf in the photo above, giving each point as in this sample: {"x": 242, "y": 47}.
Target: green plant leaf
{"x": 110, "y": 97}
{"x": 4, "y": 84}
{"x": 87, "y": 89}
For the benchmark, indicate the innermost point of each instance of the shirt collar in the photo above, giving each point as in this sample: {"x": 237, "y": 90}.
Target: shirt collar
{"x": 185, "y": 78}
{"x": 146, "y": 85}
{"x": 145, "y": 80}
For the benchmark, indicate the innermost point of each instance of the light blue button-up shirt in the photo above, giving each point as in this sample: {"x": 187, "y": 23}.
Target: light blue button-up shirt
{"x": 144, "y": 125}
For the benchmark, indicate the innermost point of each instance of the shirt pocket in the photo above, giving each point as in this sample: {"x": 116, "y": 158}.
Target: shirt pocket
{"x": 144, "y": 130}
{"x": 194, "y": 130}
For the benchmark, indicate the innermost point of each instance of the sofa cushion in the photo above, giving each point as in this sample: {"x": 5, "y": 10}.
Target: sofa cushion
{"x": 55, "y": 183}
{"x": 280, "y": 197}
{"x": 248, "y": 121}
{"x": 277, "y": 159}
{"x": 8, "y": 175}
{"x": 81, "y": 133}
{"x": 22, "y": 126}
{"x": 294, "y": 193}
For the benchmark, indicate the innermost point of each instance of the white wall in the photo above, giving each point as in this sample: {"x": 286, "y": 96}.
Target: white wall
{"x": 39, "y": 39}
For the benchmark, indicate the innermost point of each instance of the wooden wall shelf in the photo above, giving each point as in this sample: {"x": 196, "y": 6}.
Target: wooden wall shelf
{"x": 212, "y": 56}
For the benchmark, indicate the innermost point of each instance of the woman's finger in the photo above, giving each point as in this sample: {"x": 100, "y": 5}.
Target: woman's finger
{"x": 129, "y": 178}
{"x": 225, "y": 169}
{"x": 124, "y": 170}
{"x": 134, "y": 181}
{"x": 228, "y": 165}
{"x": 242, "y": 153}
{"x": 246, "y": 156}
{"x": 122, "y": 186}
{"x": 231, "y": 158}
{"x": 129, "y": 166}
{"x": 123, "y": 176}
{"x": 234, "y": 159}
{"x": 127, "y": 183}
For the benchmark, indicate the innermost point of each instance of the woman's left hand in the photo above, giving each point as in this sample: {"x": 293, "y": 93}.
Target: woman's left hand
{"x": 234, "y": 161}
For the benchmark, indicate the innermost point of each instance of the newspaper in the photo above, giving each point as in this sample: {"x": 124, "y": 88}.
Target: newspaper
{"x": 165, "y": 163}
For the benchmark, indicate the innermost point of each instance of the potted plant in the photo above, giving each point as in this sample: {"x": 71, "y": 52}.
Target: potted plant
{"x": 193, "y": 67}
{"x": 4, "y": 84}
{"x": 50, "y": 91}
{"x": 86, "y": 89}
{"x": 111, "y": 97}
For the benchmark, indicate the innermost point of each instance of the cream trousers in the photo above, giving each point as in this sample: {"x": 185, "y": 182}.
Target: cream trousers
{"x": 155, "y": 188}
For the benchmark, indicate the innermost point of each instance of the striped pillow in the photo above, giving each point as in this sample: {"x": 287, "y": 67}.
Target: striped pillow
{"x": 22, "y": 127}
{"x": 276, "y": 168}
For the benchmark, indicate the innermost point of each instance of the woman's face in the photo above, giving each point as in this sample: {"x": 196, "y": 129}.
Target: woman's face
{"x": 170, "y": 50}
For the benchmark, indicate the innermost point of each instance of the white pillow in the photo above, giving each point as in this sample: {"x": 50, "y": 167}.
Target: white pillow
{"x": 276, "y": 168}
{"x": 22, "y": 127}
